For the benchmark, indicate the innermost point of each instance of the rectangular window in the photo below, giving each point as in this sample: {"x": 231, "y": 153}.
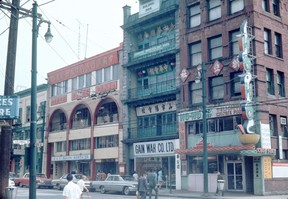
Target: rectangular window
{"x": 281, "y": 83}
{"x": 82, "y": 144}
{"x": 28, "y": 113}
{"x": 196, "y": 93}
{"x": 215, "y": 47}
{"x": 283, "y": 122}
{"x": 88, "y": 79}
{"x": 235, "y": 84}
{"x": 267, "y": 42}
{"x": 214, "y": 9}
{"x": 273, "y": 125}
{"x": 234, "y": 48}
{"x": 99, "y": 76}
{"x": 59, "y": 89}
{"x": 216, "y": 85}
{"x": 265, "y": 5}
{"x": 106, "y": 142}
{"x": 115, "y": 72}
{"x": 270, "y": 81}
{"x": 107, "y": 74}
{"x": 74, "y": 84}
{"x": 65, "y": 86}
{"x": 278, "y": 45}
{"x": 276, "y": 7}
{"x": 81, "y": 82}
{"x": 236, "y": 5}
{"x": 195, "y": 15}
{"x": 195, "y": 54}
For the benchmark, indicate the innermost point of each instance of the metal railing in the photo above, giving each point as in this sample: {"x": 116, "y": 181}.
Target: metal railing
{"x": 152, "y": 131}
{"x": 152, "y": 89}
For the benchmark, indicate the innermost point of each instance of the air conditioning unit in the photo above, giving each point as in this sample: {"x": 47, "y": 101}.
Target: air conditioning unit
{"x": 283, "y": 120}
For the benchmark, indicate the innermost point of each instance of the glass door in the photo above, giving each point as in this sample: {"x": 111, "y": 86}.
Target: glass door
{"x": 235, "y": 176}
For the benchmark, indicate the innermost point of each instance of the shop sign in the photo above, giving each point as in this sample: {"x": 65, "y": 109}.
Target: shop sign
{"x": 71, "y": 157}
{"x": 165, "y": 147}
{"x": 9, "y": 107}
{"x": 21, "y": 142}
{"x": 156, "y": 108}
{"x": 264, "y": 151}
{"x": 265, "y": 136}
{"x": 221, "y": 111}
{"x": 148, "y": 6}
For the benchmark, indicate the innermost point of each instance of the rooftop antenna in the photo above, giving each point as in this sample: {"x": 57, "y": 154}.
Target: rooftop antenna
{"x": 86, "y": 41}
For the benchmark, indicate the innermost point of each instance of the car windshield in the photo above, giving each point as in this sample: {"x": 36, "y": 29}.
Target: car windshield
{"x": 128, "y": 178}
{"x": 41, "y": 175}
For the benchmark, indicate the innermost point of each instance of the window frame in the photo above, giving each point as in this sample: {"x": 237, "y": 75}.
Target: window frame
{"x": 212, "y": 9}
{"x": 276, "y": 7}
{"x": 220, "y": 86}
{"x": 273, "y": 124}
{"x": 278, "y": 45}
{"x": 265, "y": 5}
{"x": 194, "y": 18}
{"x": 195, "y": 53}
{"x": 281, "y": 83}
{"x": 234, "y": 46}
{"x": 236, "y": 4}
{"x": 195, "y": 91}
{"x": 234, "y": 84}
{"x": 215, "y": 48}
{"x": 270, "y": 81}
{"x": 267, "y": 42}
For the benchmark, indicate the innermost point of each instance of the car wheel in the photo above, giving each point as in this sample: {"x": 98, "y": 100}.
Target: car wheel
{"x": 126, "y": 191}
{"x": 102, "y": 190}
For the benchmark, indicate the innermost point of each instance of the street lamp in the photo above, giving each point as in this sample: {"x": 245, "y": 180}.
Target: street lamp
{"x": 201, "y": 73}
{"x": 33, "y": 127}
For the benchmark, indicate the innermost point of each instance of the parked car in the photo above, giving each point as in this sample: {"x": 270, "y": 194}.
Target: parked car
{"x": 117, "y": 183}
{"x": 62, "y": 181}
{"x": 41, "y": 181}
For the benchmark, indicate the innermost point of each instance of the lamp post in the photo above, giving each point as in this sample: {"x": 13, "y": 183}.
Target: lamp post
{"x": 33, "y": 125}
{"x": 202, "y": 74}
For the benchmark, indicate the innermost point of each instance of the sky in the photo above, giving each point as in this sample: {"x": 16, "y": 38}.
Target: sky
{"x": 81, "y": 29}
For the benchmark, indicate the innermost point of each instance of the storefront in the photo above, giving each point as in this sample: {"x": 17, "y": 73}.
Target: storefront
{"x": 158, "y": 155}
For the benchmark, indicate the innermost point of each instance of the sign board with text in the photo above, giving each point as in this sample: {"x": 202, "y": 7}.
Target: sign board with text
{"x": 9, "y": 107}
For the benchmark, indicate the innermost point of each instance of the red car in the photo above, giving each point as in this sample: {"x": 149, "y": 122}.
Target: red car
{"x": 41, "y": 181}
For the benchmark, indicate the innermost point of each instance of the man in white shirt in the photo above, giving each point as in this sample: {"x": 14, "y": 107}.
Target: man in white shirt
{"x": 81, "y": 184}
{"x": 71, "y": 190}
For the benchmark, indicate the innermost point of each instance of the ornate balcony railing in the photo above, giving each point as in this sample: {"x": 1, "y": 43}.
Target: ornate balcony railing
{"x": 152, "y": 89}
{"x": 155, "y": 131}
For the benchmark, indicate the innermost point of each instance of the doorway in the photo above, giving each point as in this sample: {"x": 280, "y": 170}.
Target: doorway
{"x": 235, "y": 176}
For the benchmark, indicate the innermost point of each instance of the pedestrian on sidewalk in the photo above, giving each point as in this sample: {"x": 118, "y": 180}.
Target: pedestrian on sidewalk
{"x": 152, "y": 183}
{"x": 71, "y": 190}
{"x": 81, "y": 184}
{"x": 142, "y": 186}
{"x": 219, "y": 177}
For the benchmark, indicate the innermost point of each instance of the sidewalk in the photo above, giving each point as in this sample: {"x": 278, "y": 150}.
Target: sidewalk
{"x": 227, "y": 195}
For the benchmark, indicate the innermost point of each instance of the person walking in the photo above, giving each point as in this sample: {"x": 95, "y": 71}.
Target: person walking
{"x": 71, "y": 190}
{"x": 135, "y": 176}
{"x": 81, "y": 184}
{"x": 160, "y": 178}
{"x": 142, "y": 186}
{"x": 219, "y": 177}
{"x": 152, "y": 183}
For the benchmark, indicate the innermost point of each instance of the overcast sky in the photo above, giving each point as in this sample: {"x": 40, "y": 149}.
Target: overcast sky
{"x": 72, "y": 23}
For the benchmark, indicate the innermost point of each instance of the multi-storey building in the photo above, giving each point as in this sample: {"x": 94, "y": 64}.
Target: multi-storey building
{"x": 209, "y": 38}
{"x": 21, "y": 131}
{"x": 150, "y": 89}
{"x": 84, "y": 113}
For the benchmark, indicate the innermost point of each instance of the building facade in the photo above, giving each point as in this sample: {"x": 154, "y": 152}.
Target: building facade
{"x": 84, "y": 129}
{"x": 211, "y": 41}
{"x": 21, "y": 131}
{"x": 150, "y": 89}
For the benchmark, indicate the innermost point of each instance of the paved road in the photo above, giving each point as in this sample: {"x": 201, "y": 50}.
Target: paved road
{"x": 23, "y": 193}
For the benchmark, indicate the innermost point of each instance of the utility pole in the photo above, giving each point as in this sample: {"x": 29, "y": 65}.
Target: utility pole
{"x": 6, "y": 133}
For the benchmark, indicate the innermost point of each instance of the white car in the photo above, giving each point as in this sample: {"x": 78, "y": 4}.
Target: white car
{"x": 11, "y": 183}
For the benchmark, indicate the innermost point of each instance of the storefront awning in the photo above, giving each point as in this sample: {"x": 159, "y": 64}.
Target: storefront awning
{"x": 215, "y": 149}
